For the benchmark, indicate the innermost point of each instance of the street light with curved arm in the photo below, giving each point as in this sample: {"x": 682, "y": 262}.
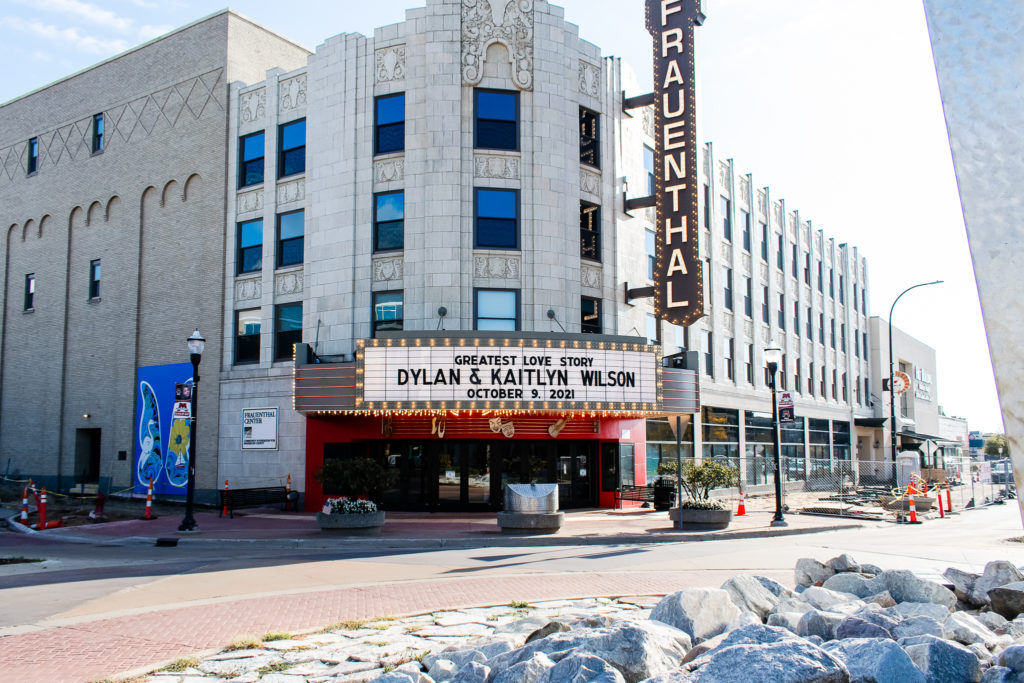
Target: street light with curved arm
{"x": 892, "y": 392}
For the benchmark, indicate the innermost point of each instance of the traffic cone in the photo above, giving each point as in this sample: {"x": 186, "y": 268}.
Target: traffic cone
{"x": 742, "y": 508}
{"x": 913, "y": 511}
{"x": 924, "y": 488}
{"x": 149, "y": 501}
{"x": 225, "y": 512}
{"x": 939, "y": 500}
{"x": 949, "y": 500}
{"x": 24, "y": 507}
{"x": 42, "y": 509}
{"x": 288, "y": 493}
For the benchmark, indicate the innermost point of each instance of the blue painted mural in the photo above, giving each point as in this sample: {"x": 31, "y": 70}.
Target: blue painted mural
{"x": 161, "y": 447}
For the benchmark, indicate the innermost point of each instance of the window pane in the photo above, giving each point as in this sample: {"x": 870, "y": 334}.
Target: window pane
{"x": 391, "y": 207}
{"x": 590, "y": 315}
{"x": 390, "y": 235}
{"x": 293, "y": 135}
{"x": 495, "y": 324}
{"x": 496, "y": 304}
{"x": 387, "y": 311}
{"x": 391, "y": 138}
{"x": 252, "y": 147}
{"x": 496, "y": 204}
{"x": 292, "y": 224}
{"x": 289, "y": 329}
{"x": 496, "y": 105}
{"x": 250, "y": 234}
{"x": 390, "y": 109}
{"x": 247, "y": 341}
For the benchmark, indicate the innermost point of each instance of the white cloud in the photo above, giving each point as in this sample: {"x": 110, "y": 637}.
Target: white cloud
{"x": 145, "y": 4}
{"x": 68, "y": 36}
{"x": 85, "y": 11}
{"x": 147, "y": 31}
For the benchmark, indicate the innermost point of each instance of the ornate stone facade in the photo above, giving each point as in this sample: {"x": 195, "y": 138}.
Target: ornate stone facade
{"x": 248, "y": 202}
{"x": 509, "y": 22}
{"x": 589, "y": 78}
{"x": 291, "y": 93}
{"x": 250, "y": 289}
{"x": 504, "y": 267}
{"x": 389, "y": 170}
{"x": 291, "y": 191}
{"x": 388, "y": 269}
{"x": 590, "y": 276}
{"x": 494, "y": 166}
{"x": 590, "y": 182}
{"x": 252, "y": 106}
{"x": 390, "y": 64}
{"x": 288, "y": 283}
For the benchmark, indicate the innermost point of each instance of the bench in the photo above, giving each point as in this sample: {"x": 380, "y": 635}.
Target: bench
{"x": 662, "y": 498}
{"x": 233, "y": 499}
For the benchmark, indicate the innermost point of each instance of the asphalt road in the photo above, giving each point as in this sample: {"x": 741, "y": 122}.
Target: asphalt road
{"x": 84, "y": 582}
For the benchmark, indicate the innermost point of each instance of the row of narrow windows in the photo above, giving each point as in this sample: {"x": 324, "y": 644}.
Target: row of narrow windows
{"x": 32, "y": 149}
{"x": 93, "y": 286}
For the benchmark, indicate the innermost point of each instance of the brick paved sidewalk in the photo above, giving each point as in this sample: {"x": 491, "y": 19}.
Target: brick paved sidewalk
{"x": 113, "y": 647}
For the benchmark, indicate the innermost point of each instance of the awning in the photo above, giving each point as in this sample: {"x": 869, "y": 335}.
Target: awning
{"x": 870, "y": 421}
{"x": 919, "y": 437}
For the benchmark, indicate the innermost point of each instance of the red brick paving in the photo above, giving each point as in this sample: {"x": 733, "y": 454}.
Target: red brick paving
{"x": 104, "y": 648}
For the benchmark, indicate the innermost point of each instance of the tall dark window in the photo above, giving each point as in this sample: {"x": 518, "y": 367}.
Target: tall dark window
{"x": 783, "y": 378}
{"x": 845, "y": 389}
{"x": 821, "y": 277}
{"x": 864, "y": 345}
{"x": 291, "y": 228}
{"x": 744, "y": 221}
{"x": 389, "y": 120}
{"x": 709, "y": 358}
{"x": 590, "y": 231}
{"x": 649, "y": 243}
{"x": 727, "y": 286}
{"x": 496, "y": 309}
{"x": 728, "y": 348}
{"x": 30, "y": 292}
{"x": 821, "y": 382}
{"x": 389, "y": 221}
{"x": 750, "y": 363}
{"x": 726, "y": 206}
{"x": 649, "y": 167}
{"x": 856, "y": 345}
{"x": 810, "y": 324}
{"x": 497, "y": 119}
{"x": 796, "y": 318}
{"x": 782, "y": 311}
{"x": 764, "y": 242}
{"x": 821, "y": 328}
{"x": 748, "y": 297}
{"x": 832, "y": 333}
{"x": 250, "y": 159}
{"x": 780, "y": 257}
{"x": 249, "y": 257}
{"x": 832, "y": 282}
{"x": 707, "y": 207}
{"x": 590, "y": 315}
{"x": 287, "y": 329}
{"x": 33, "y": 155}
{"x": 797, "y": 381}
{"x": 291, "y": 153}
{"x": 794, "y": 262}
{"x": 590, "y": 138}
{"x": 247, "y": 336}
{"x": 765, "y": 307}
{"x": 835, "y": 395}
{"x": 97, "y": 133}
{"x": 842, "y": 289}
{"x": 94, "y": 279}
{"x": 856, "y": 307}
{"x": 810, "y": 379}
{"x": 388, "y": 313}
{"x": 864, "y": 299}
{"x": 807, "y": 268}
{"x": 497, "y": 223}
{"x": 842, "y": 337}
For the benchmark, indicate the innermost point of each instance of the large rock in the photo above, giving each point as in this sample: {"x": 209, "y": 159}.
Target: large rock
{"x": 793, "y": 604}
{"x": 699, "y": 612}
{"x": 918, "y": 626}
{"x": 747, "y": 635}
{"x": 918, "y": 609}
{"x": 996, "y": 574}
{"x": 904, "y": 586}
{"x": 787, "y": 620}
{"x": 819, "y": 623}
{"x": 854, "y": 627}
{"x": 1013, "y": 658}
{"x": 875, "y": 661}
{"x": 964, "y": 628}
{"x": 581, "y": 668}
{"x": 999, "y": 674}
{"x": 854, "y": 584}
{"x": 473, "y": 672}
{"x": 1008, "y": 600}
{"x": 478, "y": 650}
{"x": 867, "y": 568}
{"x": 810, "y": 572}
{"x": 843, "y": 563}
{"x": 526, "y": 671}
{"x": 744, "y": 619}
{"x": 774, "y": 587}
{"x": 882, "y": 599}
{"x": 963, "y": 582}
{"x": 995, "y": 622}
{"x": 823, "y": 598}
{"x": 788, "y": 661}
{"x": 877, "y": 617}
{"x": 547, "y": 629}
{"x": 396, "y": 677}
{"x": 442, "y": 670}
{"x": 750, "y": 595}
{"x": 943, "y": 661}
{"x": 637, "y": 650}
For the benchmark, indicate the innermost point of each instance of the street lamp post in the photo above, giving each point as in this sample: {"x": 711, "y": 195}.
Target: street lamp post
{"x": 773, "y": 357}
{"x": 196, "y": 343}
{"x": 892, "y": 392}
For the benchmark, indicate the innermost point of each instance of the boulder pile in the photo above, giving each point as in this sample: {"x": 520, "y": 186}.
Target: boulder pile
{"x": 845, "y": 622}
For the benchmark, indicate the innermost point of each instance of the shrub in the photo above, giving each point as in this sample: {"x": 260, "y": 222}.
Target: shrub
{"x": 348, "y": 506}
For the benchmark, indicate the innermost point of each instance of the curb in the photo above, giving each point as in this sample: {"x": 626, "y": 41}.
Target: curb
{"x": 441, "y": 543}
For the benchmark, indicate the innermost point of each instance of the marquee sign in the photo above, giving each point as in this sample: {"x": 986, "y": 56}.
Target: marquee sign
{"x": 524, "y": 374}
{"x": 678, "y": 283}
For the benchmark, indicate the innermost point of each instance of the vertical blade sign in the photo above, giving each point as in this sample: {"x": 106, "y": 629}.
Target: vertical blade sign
{"x": 678, "y": 282}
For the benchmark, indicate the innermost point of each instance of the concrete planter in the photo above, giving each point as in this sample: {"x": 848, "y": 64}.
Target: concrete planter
{"x": 362, "y": 524}
{"x": 530, "y": 522}
{"x": 702, "y": 519}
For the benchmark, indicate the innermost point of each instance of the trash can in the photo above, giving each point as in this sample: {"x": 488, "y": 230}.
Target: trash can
{"x": 664, "y": 494}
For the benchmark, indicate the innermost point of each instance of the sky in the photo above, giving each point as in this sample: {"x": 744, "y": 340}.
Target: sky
{"x": 832, "y": 103}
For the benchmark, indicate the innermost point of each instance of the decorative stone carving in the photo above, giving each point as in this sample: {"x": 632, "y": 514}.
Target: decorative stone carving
{"x": 248, "y": 202}
{"x": 248, "y": 290}
{"x": 648, "y": 121}
{"x": 388, "y": 269}
{"x": 792, "y": 226}
{"x": 766, "y": 334}
{"x": 389, "y": 170}
{"x": 590, "y": 182}
{"x": 288, "y": 283}
{"x": 650, "y": 214}
{"x": 780, "y": 282}
{"x": 509, "y": 22}
{"x": 589, "y": 78}
{"x": 291, "y": 93}
{"x": 744, "y": 188}
{"x": 747, "y": 264}
{"x": 779, "y": 222}
{"x": 488, "y": 166}
{"x": 590, "y": 276}
{"x": 252, "y": 105}
{"x": 707, "y": 158}
{"x": 764, "y": 272}
{"x": 748, "y": 330}
{"x": 805, "y": 233}
{"x": 292, "y": 191}
{"x": 727, "y": 253}
{"x": 390, "y": 63}
{"x": 729, "y": 321}
{"x": 505, "y": 267}
{"x": 762, "y": 203}
{"x": 724, "y": 176}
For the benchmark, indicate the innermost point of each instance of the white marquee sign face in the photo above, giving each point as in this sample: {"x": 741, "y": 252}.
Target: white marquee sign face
{"x": 525, "y": 374}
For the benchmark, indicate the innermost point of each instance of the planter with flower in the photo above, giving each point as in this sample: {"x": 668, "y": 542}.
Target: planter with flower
{"x": 360, "y": 481}
{"x": 698, "y": 510}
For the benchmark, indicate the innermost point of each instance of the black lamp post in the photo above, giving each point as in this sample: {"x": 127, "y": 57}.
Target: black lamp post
{"x": 196, "y": 343}
{"x": 773, "y": 357}
{"x": 892, "y": 392}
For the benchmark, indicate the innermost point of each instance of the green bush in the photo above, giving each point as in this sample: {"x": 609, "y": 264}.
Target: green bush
{"x": 698, "y": 480}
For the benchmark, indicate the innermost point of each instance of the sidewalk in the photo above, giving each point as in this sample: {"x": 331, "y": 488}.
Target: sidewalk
{"x": 274, "y": 528}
